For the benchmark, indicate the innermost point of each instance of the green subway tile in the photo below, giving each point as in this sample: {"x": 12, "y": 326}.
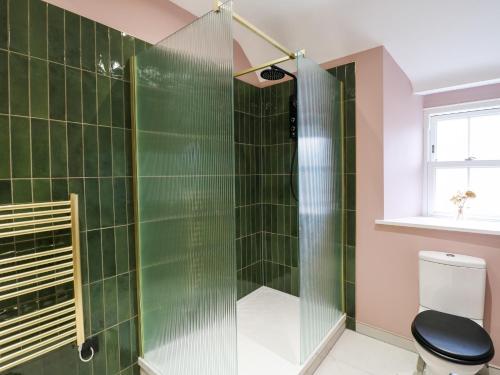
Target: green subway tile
{"x": 103, "y": 100}
{"x": 89, "y": 98}
{"x": 351, "y": 228}
{"x": 134, "y": 342}
{"x": 57, "y": 92}
{"x": 21, "y": 190}
{"x": 106, "y": 197}
{"x": 38, "y": 29}
{"x": 94, "y": 254}
{"x": 92, "y": 206}
{"x": 4, "y": 82}
{"x": 72, "y": 29}
{"x": 131, "y": 247}
{"x": 350, "y": 162}
{"x": 133, "y": 293}
{"x": 121, "y": 249}
{"x": 112, "y": 351}
{"x": 350, "y": 323}
{"x": 60, "y": 189}
{"x": 110, "y": 302}
{"x": 19, "y": 85}
{"x": 123, "y": 282}
{"x": 105, "y": 152}
{"x": 41, "y": 190}
{"x": 74, "y": 94}
{"x": 118, "y": 136}
{"x": 20, "y": 142}
{"x": 128, "y": 52}
{"x": 39, "y": 88}
{"x": 350, "y": 118}
{"x": 350, "y": 84}
{"x": 125, "y": 345}
{"x": 127, "y": 105}
{"x": 350, "y": 191}
{"x": 117, "y": 103}
{"x": 350, "y": 261}
{"x": 102, "y": 49}
{"x": 58, "y": 149}
{"x": 108, "y": 252}
{"x": 18, "y": 25}
{"x": 91, "y": 160}
{"x": 96, "y": 307}
{"x": 75, "y": 147}
{"x": 350, "y": 299}
{"x": 115, "y": 53}
{"x": 5, "y": 191}
{"x": 4, "y": 147}
{"x": 88, "y": 44}
{"x": 99, "y": 359}
{"x": 55, "y": 33}
{"x": 120, "y": 201}
{"x": 77, "y": 186}
{"x": 4, "y": 25}
{"x": 40, "y": 149}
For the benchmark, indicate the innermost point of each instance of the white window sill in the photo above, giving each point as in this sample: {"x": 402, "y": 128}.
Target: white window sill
{"x": 467, "y": 226}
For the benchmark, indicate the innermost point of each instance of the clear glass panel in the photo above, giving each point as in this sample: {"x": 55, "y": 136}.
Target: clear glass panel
{"x": 185, "y": 184}
{"x": 452, "y": 139}
{"x": 448, "y": 182}
{"x": 485, "y": 182}
{"x": 484, "y": 137}
{"x": 320, "y": 204}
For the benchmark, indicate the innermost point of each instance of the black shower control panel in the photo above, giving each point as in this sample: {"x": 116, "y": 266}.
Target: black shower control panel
{"x": 293, "y": 117}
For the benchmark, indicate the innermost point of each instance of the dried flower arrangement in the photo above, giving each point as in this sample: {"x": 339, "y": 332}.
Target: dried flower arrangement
{"x": 460, "y": 199}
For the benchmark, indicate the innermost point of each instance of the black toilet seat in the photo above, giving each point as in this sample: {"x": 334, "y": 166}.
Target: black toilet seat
{"x": 453, "y": 338}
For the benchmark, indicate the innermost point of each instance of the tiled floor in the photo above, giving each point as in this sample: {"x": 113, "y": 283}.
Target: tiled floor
{"x": 356, "y": 354}
{"x": 269, "y": 342}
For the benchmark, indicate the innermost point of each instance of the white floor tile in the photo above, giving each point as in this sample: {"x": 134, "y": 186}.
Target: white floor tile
{"x": 372, "y": 356}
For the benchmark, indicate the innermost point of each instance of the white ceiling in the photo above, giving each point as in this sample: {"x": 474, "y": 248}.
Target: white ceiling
{"x": 440, "y": 44}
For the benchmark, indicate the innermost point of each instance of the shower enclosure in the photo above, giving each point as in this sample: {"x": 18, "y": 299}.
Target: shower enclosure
{"x": 190, "y": 219}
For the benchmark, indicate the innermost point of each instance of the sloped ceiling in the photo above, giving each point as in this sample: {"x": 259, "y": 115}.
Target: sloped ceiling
{"x": 439, "y": 44}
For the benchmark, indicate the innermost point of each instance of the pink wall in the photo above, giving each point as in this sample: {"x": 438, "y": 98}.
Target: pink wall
{"x": 150, "y": 20}
{"x": 462, "y": 96}
{"x": 387, "y": 257}
{"x": 403, "y": 143}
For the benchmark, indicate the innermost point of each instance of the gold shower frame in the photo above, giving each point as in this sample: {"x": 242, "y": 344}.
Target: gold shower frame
{"x": 289, "y": 54}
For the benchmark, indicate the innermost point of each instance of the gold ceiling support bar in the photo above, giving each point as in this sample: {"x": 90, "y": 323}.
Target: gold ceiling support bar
{"x": 290, "y": 55}
{"x": 33, "y": 334}
{"x": 262, "y": 66}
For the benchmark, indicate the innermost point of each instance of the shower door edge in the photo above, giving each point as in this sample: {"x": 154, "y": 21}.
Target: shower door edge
{"x": 135, "y": 189}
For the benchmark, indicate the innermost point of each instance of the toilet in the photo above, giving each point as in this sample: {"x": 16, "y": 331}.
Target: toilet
{"x": 448, "y": 330}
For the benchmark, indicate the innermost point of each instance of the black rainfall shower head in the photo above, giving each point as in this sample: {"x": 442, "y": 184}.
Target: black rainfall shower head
{"x": 272, "y": 74}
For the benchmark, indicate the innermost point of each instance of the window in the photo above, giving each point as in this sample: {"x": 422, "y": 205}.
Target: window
{"x": 463, "y": 153}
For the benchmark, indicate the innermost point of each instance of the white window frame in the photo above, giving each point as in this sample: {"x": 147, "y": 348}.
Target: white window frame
{"x": 430, "y": 118}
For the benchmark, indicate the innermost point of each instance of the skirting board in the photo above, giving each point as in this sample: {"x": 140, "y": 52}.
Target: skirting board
{"x": 402, "y": 342}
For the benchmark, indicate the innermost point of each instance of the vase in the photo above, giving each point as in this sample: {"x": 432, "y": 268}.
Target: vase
{"x": 460, "y": 213}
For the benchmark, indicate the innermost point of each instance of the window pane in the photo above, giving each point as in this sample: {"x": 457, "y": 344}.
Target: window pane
{"x": 484, "y": 137}
{"x": 448, "y": 182}
{"x": 485, "y": 182}
{"x": 451, "y": 140}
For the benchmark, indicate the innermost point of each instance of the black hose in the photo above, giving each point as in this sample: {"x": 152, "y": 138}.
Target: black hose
{"x": 291, "y": 171}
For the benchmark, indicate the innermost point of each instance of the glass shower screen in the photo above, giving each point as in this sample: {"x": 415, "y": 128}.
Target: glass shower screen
{"x": 320, "y": 204}
{"x": 185, "y": 199}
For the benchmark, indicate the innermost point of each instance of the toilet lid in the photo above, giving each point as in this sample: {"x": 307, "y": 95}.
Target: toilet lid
{"x": 453, "y": 338}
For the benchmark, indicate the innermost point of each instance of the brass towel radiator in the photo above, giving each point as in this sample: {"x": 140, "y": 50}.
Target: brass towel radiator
{"x": 27, "y": 336}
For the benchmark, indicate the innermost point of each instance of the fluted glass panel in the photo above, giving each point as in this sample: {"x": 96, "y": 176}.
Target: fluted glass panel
{"x": 185, "y": 192}
{"x": 320, "y": 204}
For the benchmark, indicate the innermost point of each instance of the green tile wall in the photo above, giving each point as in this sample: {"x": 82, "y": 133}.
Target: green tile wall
{"x": 65, "y": 127}
{"x": 247, "y": 141}
{"x": 266, "y": 213}
{"x": 280, "y": 211}
{"x": 347, "y": 75}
